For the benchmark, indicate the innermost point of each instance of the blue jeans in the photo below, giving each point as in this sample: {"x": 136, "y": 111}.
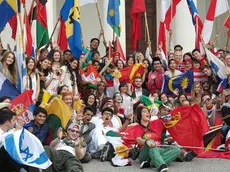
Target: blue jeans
{"x": 225, "y": 130}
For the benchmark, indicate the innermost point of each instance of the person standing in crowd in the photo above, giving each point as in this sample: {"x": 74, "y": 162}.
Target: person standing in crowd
{"x": 8, "y": 67}
{"x": 172, "y": 71}
{"x": 155, "y": 77}
{"x": 69, "y": 76}
{"x": 32, "y": 78}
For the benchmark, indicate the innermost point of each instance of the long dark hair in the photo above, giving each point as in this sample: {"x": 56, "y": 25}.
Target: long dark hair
{"x": 139, "y": 113}
{"x": 27, "y": 62}
{"x": 71, "y": 71}
{"x": 94, "y": 106}
{"x": 45, "y": 71}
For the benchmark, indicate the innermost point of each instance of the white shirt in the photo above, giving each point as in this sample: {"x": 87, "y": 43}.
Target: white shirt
{"x": 63, "y": 146}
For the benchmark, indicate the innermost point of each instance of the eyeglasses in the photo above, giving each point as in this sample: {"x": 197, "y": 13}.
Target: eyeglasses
{"x": 75, "y": 131}
{"x": 107, "y": 113}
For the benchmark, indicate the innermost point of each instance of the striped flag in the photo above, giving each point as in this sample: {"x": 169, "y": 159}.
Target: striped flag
{"x": 216, "y": 64}
{"x": 199, "y": 76}
{"x": 216, "y": 8}
{"x": 20, "y": 60}
{"x": 197, "y": 22}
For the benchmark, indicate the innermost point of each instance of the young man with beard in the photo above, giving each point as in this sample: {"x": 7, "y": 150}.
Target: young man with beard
{"x": 138, "y": 90}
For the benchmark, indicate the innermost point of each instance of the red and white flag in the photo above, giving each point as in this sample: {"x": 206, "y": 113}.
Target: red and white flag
{"x": 216, "y": 8}
{"x": 168, "y": 11}
{"x": 119, "y": 49}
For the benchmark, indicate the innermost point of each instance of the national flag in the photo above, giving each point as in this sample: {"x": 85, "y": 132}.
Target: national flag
{"x": 25, "y": 148}
{"x": 8, "y": 8}
{"x": 20, "y": 59}
{"x": 118, "y": 48}
{"x": 27, "y": 35}
{"x": 70, "y": 13}
{"x": 168, "y": 11}
{"x": 7, "y": 88}
{"x": 222, "y": 85}
{"x": 187, "y": 125}
{"x": 138, "y": 6}
{"x": 113, "y": 16}
{"x": 211, "y": 137}
{"x": 59, "y": 115}
{"x": 91, "y": 74}
{"x": 147, "y": 102}
{"x": 216, "y": 64}
{"x": 227, "y": 22}
{"x": 84, "y": 2}
{"x": 23, "y": 106}
{"x": 128, "y": 73}
{"x": 42, "y": 26}
{"x": 178, "y": 82}
{"x": 46, "y": 96}
{"x": 62, "y": 39}
{"x": 199, "y": 76}
{"x": 216, "y": 8}
{"x": 13, "y": 24}
{"x": 197, "y": 22}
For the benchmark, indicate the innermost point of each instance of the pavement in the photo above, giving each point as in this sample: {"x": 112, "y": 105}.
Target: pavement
{"x": 197, "y": 165}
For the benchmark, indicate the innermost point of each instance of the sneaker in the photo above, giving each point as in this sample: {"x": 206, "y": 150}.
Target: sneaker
{"x": 145, "y": 164}
{"x": 96, "y": 155}
{"x": 163, "y": 168}
{"x": 104, "y": 153}
{"x": 189, "y": 156}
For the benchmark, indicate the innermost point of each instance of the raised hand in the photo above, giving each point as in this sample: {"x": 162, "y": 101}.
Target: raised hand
{"x": 60, "y": 133}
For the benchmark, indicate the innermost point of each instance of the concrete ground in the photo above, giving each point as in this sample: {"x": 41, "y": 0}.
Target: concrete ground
{"x": 197, "y": 165}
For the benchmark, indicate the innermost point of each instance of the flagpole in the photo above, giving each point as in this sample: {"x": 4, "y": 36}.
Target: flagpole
{"x": 55, "y": 27}
{"x": 99, "y": 17}
{"x": 32, "y": 11}
{"x": 197, "y": 39}
{"x": 175, "y": 146}
{"x": 221, "y": 28}
{"x": 227, "y": 42}
{"x": 147, "y": 29}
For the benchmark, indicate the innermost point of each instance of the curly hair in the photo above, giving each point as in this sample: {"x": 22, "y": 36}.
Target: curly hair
{"x": 73, "y": 71}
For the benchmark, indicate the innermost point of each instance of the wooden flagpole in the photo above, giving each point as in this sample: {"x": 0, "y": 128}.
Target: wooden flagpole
{"x": 148, "y": 36}
{"x": 51, "y": 37}
{"x": 227, "y": 42}
{"x": 32, "y": 12}
{"x": 221, "y": 28}
{"x": 99, "y": 17}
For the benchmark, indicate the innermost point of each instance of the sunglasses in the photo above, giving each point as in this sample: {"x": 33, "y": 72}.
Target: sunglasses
{"x": 75, "y": 131}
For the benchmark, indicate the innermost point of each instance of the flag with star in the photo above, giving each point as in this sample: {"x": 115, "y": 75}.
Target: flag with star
{"x": 180, "y": 82}
{"x": 113, "y": 16}
{"x": 70, "y": 14}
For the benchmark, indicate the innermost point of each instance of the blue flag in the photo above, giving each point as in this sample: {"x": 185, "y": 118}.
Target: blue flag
{"x": 113, "y": 16}
{"x": 178, "y": 82}
{"x": 7, "y": 88}
{"x": 8, "y": 9}
{"x": 70, "y": 13}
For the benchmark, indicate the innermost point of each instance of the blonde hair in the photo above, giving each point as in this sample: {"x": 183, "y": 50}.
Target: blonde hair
{"x": 193, "y": 93}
